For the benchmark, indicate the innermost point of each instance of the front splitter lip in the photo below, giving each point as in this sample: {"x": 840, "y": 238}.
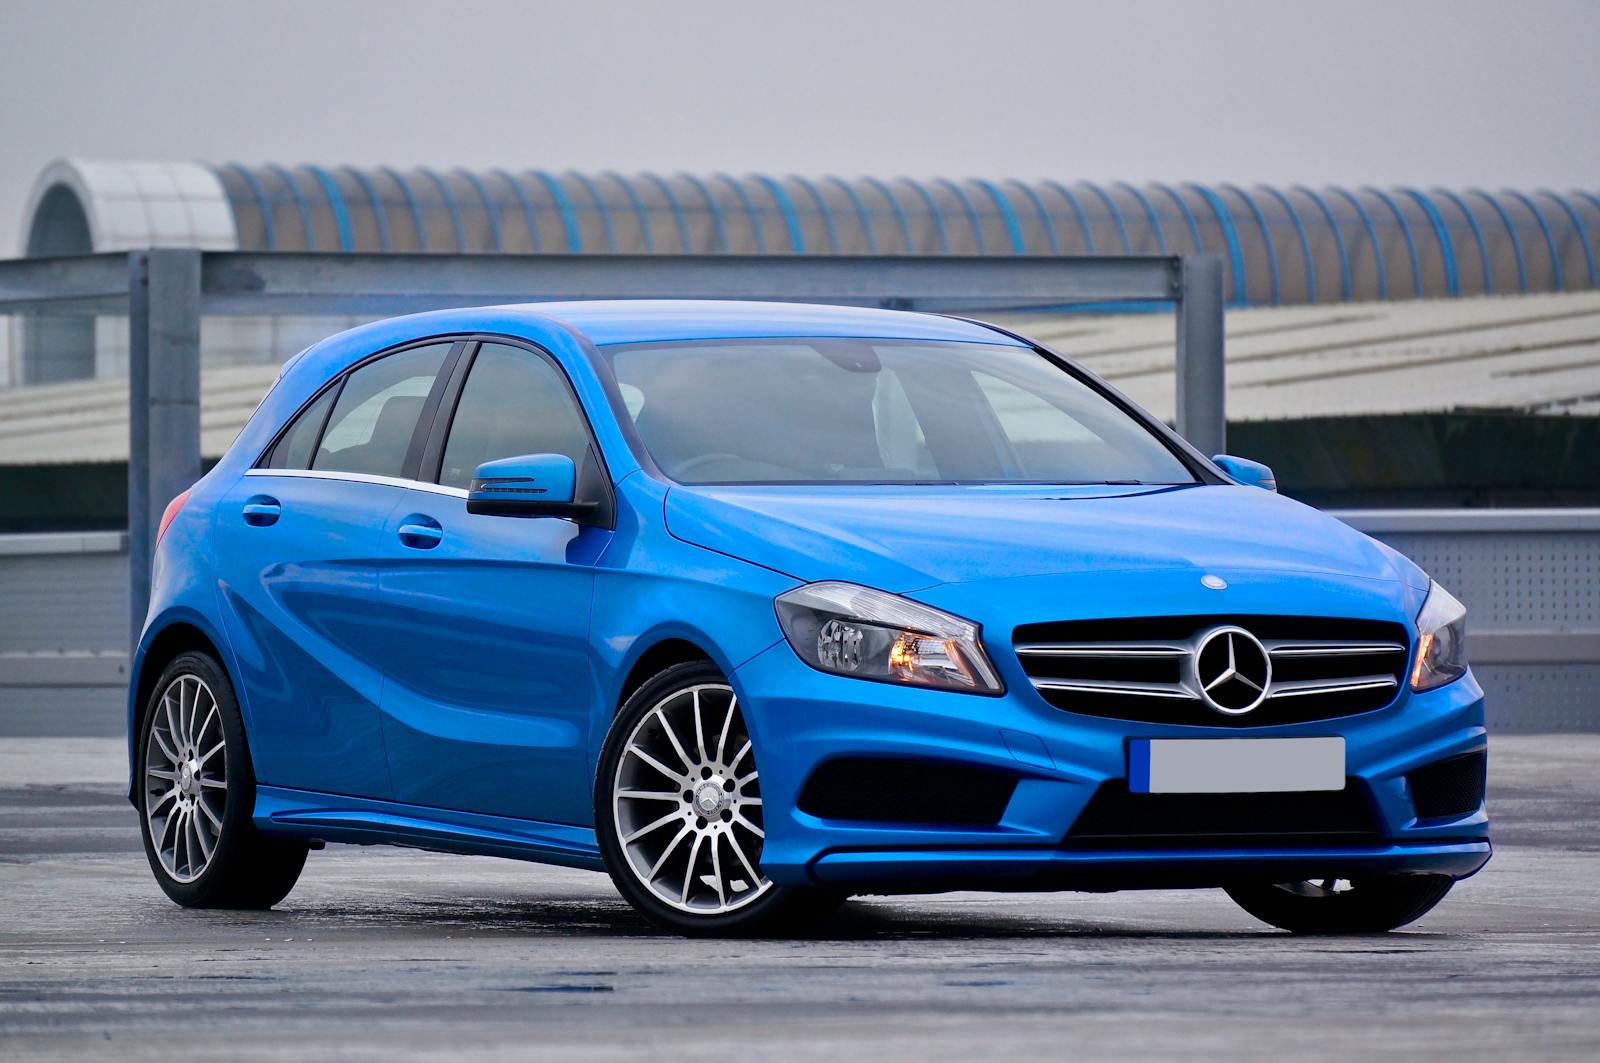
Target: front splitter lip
{"x": 1028, "y": 869}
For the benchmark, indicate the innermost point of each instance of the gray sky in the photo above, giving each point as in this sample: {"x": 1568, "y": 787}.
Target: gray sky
{"x": 1452, "y": 93}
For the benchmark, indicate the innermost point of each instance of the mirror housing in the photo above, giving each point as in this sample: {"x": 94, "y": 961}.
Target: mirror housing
{"x": 1247, "y": 472}
{"x": 530, "y": 485}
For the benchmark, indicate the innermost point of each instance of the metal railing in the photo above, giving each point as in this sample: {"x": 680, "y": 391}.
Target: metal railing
{"x": 165, "y": 292}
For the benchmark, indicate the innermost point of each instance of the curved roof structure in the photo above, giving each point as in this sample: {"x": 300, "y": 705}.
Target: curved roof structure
{"x": 1281, "y": 246}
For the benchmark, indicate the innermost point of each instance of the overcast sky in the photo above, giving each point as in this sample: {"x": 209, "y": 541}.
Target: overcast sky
{"x": 1452, "y": 93}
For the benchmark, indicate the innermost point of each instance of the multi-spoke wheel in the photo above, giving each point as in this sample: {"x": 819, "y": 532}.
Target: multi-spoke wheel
{"x": 185, "y": 778}
{"x": 680, "y": 812}
{"x": 195, "y": 792}
{"x": 1343, "y": 906}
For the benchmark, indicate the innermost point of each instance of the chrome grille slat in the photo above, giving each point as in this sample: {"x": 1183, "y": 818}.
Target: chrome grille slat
{"x": 1298, "y": 687}
{"x": 1113, "y": 686}
{"x": 1102, "y": 649}
{"x": 1146, "y": 668}
{"x": 1328, "y": 647}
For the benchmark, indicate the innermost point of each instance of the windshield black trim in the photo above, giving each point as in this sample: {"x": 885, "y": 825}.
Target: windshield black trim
{"x": 1199, "y": 464}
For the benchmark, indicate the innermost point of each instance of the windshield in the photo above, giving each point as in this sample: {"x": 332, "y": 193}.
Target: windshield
{"x": 877, "y": 411}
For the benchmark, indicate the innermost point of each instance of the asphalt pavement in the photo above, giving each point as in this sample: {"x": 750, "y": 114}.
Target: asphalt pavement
{"x": 389, "y": 953}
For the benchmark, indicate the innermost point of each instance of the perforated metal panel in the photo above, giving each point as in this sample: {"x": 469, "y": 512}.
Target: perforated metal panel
{"x": 63, "y": 603}
{"x": 1519, "y": 572}
{"x": 1526, "y": 581}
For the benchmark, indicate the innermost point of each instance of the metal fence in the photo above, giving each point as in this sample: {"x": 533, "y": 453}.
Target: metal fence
{"x": 165, "y": 292}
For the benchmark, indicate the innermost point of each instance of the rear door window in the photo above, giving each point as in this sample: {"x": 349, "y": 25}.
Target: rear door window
{"x": 373, "y": 422}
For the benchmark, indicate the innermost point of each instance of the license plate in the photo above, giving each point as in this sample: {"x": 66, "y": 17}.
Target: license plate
{"x": 1234, "y": 765}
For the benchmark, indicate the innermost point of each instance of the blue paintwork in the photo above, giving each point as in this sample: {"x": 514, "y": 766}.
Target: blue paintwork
{"x": 1405, "y": 231}
{"x": 379, "y": 215}
{"x": 268, "y": 234}
{"x": 1274, "y": 286}
{"x": 490, "y": 211}
{"x": 412, "y": 673}
{"x": 341, "y": 216}
{"x": 1477, "y": 236}
{"x": 1372, "y": 237}
{"x": 1511, "y": 232}
{"x": 535, "y": 236}
{"x": 1219, "y": 210}
{"x": 1549, "y": 237}
{"x": 1345, "y": 282}
{"x": 412, "y": 206}
{"x": 1245, "y": 471}
{"x": 1305, "y": 244}
{"x": 300, "y": 204}
{"x": 451, "y": 206}
{"x": 1447, "y": 250}
{"x": 553, "y": 476}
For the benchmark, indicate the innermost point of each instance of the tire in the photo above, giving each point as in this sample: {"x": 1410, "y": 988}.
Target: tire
{"x": 675, "y": 807}
{"x": 1364, "y": 906}
{"x": 196, "y": 821}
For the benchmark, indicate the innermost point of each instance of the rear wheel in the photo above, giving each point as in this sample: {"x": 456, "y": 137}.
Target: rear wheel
{"x": 1343, "y": 906}
{"x": 196, "y": 791}
{"x": 680, "y": 815}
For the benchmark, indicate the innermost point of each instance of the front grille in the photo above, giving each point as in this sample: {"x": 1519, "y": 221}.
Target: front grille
{"x": 897, "y": 790}
{"x": 1450, "y": 787}
{"x": 1145, "y": 669}
{"x": 1115, "y": 818}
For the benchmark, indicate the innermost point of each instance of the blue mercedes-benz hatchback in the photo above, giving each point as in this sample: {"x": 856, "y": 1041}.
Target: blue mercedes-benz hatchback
{"x": 758, "y": 606}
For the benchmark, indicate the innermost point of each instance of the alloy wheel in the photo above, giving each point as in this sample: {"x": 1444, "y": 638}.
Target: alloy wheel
{"x": 185, "y": 778}
{"x": 686, "y": 802}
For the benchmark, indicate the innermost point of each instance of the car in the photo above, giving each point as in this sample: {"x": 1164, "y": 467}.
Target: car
{"x": 757, "y": 607}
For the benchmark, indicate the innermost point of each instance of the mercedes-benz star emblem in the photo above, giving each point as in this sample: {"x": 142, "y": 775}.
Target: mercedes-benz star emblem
{"x": 1231, "y": 670}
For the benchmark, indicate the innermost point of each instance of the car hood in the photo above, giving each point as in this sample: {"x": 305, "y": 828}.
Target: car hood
{"x": 905, "y": 538}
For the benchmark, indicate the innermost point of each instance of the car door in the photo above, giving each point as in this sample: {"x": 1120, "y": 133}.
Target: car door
{"x": 487, "y": 695}
{"x": 297, "y": 543}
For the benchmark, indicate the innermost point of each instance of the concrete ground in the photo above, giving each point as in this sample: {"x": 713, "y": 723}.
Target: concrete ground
{"x": 384, "y": 953}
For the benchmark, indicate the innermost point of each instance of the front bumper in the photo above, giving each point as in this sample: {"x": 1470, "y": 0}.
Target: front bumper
{"x": 801, "y": 718}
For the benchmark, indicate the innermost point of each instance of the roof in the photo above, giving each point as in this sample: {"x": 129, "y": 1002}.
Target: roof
{"x": 605, "y": 322}
{"x": 1535, "y": 354}
{"x": 1285, "y": 245}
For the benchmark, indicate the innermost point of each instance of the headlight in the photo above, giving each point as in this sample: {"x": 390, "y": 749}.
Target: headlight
{"x": 856, "y": 631}
{"x": 1442, "y": 640}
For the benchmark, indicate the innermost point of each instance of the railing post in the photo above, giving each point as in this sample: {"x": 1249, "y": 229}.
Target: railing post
{"x": 163, "y": 401}
{"x": 1202, "y": 411}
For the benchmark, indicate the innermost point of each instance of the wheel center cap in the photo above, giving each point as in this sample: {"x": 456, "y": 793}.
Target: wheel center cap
{"x": 709, "y": 798}
{"x": 187, "y": 779}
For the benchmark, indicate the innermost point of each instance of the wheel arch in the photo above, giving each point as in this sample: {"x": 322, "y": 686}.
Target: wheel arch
{"x": 180, "y": 633}
{"x": 657, "y": 657}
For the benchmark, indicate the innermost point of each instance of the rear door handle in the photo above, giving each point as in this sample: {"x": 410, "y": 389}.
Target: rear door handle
{"x": 261, "y": 511}
{"x": 420, "y": 532}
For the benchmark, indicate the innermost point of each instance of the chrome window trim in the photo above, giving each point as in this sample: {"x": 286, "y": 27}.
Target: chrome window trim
{"x": 362, "y": 478}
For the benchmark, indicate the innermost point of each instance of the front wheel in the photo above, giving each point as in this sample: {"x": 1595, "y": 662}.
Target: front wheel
{"x": 196, "y": 792}
{"x": 1343, "y": 906}
{"x": 680, "y": 817}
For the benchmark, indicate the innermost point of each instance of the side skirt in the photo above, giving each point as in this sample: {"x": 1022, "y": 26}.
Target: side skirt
{"x": 364, "y": 821}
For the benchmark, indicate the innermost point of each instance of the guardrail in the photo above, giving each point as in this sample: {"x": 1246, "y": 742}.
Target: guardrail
{"x": 1530, "y": 578}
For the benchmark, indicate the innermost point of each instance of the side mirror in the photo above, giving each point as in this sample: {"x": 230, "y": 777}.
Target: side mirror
{"x": 1250, "y": 473}
{"x": 531, "y": 485}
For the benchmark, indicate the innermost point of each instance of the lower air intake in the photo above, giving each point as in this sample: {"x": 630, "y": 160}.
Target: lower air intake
{"x": 1450, "y": 787}
{"x": 890, "y": 790}
{"x": 1116, "y": 818}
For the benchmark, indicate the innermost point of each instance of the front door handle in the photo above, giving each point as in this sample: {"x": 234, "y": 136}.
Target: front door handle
{"x": 260, "y": 511}
{"x": 420, "y": 532}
